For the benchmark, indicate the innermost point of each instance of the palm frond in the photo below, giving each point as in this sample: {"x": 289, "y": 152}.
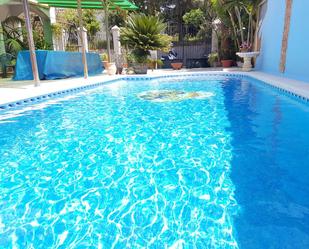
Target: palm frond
{"x": 144, "y": 33}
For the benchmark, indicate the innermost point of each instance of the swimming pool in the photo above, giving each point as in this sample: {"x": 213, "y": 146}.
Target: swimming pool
{"x": 185, "y": 162}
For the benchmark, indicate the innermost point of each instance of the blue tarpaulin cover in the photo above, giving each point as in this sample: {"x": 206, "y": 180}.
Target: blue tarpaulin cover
{"x": 56, "y": 65}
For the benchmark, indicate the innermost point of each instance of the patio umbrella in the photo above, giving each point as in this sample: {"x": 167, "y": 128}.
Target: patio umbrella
{"x": 91, "y": 4}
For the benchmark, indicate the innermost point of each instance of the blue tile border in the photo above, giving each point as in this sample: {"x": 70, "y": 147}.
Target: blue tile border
{"x": 279, "y": 89}
{"x": 237, "y": 75}
{"x": 42, "y": 98}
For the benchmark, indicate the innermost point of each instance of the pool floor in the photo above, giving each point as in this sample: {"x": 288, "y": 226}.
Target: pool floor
{"x": 186, "y": 162}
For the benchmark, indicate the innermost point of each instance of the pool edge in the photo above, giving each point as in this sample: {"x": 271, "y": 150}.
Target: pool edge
{"x": 58, "y": 93}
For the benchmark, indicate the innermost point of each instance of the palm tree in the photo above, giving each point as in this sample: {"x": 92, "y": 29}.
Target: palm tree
{"x": 144, "y": 33}
{"x": 241, "y": 15}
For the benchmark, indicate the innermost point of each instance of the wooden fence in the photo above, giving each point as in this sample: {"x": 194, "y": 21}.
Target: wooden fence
{"x": 191, "y": 52}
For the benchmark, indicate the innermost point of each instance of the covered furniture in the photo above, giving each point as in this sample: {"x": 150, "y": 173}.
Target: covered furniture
{"x": 56, "y": 65}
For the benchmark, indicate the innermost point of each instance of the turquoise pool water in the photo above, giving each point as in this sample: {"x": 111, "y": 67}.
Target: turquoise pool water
{"x": 187, "y": 162}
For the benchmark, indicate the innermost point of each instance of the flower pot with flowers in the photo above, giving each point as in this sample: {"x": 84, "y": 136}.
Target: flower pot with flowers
{"x": 247, "y": 56}
{"x": 245, "y": 47}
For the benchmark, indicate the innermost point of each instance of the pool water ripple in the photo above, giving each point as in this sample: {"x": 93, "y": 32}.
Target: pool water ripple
{"x": 106, "y": 169}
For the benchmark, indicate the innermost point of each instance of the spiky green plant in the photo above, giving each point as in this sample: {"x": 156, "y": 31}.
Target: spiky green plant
{"x": 144, "y": 33}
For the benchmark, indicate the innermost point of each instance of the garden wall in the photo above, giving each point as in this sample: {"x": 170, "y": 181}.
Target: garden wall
{"x": 297, "y": 57}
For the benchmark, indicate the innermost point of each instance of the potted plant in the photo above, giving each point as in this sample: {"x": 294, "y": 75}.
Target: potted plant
{"x": 213, "y": 59}
{"x": 176, "y": 64}
{"x": 104, "y": 59}
{"x": 159, "y": 63}
{"x": 154, "y": 64}
{"x": 110, "y": 67}
{"x": 226, "y": 60}
{"x": 140, "y": 61}
{"x": 144, "y": 33}
{"x": 245, "y": 47}
{"x": 151, "y": 64}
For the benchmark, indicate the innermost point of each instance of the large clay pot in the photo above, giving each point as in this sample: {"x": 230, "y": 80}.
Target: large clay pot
{"x": 140, "y": 68}
{"x": 111, "y": 68}
{"x": 176, "y": 65}
{"x": 227, "y": 63}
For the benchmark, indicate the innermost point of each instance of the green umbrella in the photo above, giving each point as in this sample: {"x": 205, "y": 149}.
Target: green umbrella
{"x": 93, "y": 4}
{"x": 79, "y": 5}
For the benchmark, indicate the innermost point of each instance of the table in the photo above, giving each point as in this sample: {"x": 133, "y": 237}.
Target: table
{"x": 56, "y": 65}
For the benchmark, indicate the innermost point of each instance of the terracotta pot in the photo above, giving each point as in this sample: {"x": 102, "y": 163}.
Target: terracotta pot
{"x": 176, "y": 65}
{"x": 227, "y": 63}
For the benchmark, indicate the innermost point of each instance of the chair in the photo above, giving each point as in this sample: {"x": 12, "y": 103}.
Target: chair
{"x": 6, "y": 60}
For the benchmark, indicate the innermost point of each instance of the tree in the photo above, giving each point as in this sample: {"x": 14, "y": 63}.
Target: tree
{"x": 144, "y": 33}
{"x": 69, "y": 21}
{"x": 149, "y": 7}
{"x": 240, "y": 16}
{"x": 201, "y": 20}
{"x": 171, "y": 11}
{"x": 194, "y": 17}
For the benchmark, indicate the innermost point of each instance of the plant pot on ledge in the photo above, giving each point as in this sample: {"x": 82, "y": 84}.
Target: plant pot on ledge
{"x": 176, "y": 65}
{"x": 105, "y": 64}
{"x": 111, "y": 68}
{"x": 140, "y": 68}
{"x": 227, "y": 63}
{"x": 142, "y": 34}
{"x": 119, "y": 70}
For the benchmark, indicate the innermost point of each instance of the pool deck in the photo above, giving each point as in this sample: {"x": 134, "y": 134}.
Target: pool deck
{"x": 12, "y": 91}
